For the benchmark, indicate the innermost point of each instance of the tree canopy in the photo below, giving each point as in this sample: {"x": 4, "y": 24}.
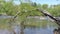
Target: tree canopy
{"x": 10, "y": 8}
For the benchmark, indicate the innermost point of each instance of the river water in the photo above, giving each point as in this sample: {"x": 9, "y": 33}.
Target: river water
{"x": 43, "y": 28}
{"x": 30, "y": 30}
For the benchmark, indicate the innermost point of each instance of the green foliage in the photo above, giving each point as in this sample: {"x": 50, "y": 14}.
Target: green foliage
{"x": 10, "y": 9}
{"x": 27, "y": 9}
{"x": 44, "y": 6}
{"x": 55, "y": 10}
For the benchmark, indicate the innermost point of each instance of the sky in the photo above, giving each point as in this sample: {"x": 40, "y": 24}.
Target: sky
{"x": 49, "y": 2}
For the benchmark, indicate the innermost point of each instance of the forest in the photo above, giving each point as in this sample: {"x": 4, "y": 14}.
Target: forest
{"x": 8, "y": 7}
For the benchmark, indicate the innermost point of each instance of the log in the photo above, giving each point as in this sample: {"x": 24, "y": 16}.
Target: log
{"x": 57, "y": 21}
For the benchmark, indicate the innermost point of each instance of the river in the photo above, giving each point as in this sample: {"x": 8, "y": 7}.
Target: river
{"x": 42, "y": 28}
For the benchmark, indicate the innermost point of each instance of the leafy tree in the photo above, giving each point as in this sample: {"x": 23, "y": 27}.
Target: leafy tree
{"x": 44, "y": 6}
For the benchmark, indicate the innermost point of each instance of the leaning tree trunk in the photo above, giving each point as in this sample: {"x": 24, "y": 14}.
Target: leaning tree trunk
{"x": 56, "y": 31}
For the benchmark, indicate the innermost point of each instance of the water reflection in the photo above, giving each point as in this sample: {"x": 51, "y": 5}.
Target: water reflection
{"x": 43, "y": 27}
{"x": 29, "y": 30}
{"x": 38, "y": 30}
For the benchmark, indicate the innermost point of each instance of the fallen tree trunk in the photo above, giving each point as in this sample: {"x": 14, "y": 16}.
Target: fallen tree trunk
{"x": 57, "y": 21}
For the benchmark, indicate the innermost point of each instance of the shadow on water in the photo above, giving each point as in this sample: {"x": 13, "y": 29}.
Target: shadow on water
{"x": 31, "y": 26}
